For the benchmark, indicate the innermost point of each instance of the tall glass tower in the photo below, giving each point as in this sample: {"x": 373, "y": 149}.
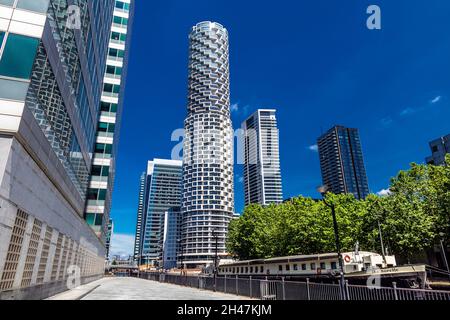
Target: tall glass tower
{"x": 101, "y": 183}
{"x": 140, "y": 218}
{"x": 208, "y": 186}
{"x": 342, "y": 162}
{"x": 439, "y": 149}
{"x": 162, "y": 192}
{"x": 262, "y": 173}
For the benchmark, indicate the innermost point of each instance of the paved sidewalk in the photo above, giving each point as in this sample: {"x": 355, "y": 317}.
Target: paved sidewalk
{"x": 138, "y": 289}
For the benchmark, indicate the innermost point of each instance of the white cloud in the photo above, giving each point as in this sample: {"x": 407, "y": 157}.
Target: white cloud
{"x": 408, "y": 111}
{"x": 384, "y": 193}
{"x": 386, "y": 122}
{"x": 122, "y": 245}
{"x": 234, "y": 107}
{"x": 314, "y": 148}
{"x": 436, "y": 99}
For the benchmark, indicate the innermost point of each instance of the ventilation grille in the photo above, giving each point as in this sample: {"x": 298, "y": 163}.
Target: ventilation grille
{"x": 13, "y": 255}
{"x": 57, "y": 257}
{"x": 31, "y": 254}
{"x": 66, "y": 250}
{"x": 44, "y": 255}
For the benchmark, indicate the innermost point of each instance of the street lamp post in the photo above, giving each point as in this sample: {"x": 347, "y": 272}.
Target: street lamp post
{"x": 444, "y": 255}
{"x": 181, "y": 248}
{"x": 162, "y": 267}
{"x": 323, "y": 190}
{"x": 215, "y": 256}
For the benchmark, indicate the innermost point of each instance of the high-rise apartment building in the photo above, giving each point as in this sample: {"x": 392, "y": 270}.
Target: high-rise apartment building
{"x": 208, "y": 185}
{"x": 262, "y": 173}
{"x": 170, "y": 237}
{"x": 140, "y": 218}
{"x": 51, "y": 73}
{"x": 342, "y": 162}
{"x": 162, "y": 192}
{"x": 109, "y": 236}
{"x": 101, "y": 182}
{"x": 439, "y": 149}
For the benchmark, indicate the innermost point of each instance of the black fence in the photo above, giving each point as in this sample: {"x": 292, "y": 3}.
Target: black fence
{"x": 290, "y": 290}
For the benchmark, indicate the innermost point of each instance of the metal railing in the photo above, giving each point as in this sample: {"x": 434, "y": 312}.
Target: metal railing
{"x": 265, "y": 289}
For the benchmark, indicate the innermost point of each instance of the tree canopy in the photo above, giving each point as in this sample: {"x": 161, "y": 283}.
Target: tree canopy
{"x": 411, "y": 218}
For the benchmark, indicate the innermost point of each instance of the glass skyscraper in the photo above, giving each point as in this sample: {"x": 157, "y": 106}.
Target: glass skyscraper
{"x": 439, "y": 149}
{"x": 52, "y": 62}
{"x": 262, "y": 173}
{"x": 140, "y": 218}
{"x": 162, "y": 191}
{"x": 208, "y": 181}
{"x": 170, "y": 237}
{"x": 342, "y": 162}
{"x": 101, "y": 182}
{"x": 109, "y": 235}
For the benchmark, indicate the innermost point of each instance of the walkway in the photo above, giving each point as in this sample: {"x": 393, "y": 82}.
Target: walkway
{"x": 138, "y": 289}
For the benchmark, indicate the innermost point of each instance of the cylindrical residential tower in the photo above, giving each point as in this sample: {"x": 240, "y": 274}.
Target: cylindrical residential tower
{"x": 208, "y": 184}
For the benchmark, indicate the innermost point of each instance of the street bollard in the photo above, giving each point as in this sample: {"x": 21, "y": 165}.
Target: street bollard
{"x": 394, "y": 284}
{"x": 347, "y": 293}
{"x": 307, "y": 289}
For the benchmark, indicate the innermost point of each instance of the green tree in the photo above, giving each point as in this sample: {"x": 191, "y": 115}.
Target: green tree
{"x": 410, "y": 219}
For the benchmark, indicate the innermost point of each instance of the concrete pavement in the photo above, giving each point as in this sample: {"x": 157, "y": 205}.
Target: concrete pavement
{"x": 139, "y": 289}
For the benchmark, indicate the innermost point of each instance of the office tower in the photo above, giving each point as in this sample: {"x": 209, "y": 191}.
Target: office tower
{"x": 50, "y": 86}
{"x": 262, "y": 173}
{"x": 109, "y": 235}
{"x": 208, "y": 191}
{"x": 342, "y": 163}
{"x": 140, "y": 218}
{"x": 439, "y": 149}
{"x": 101, "y": 182}
{"x": 170, "y": 237}
{"x": 162, "y": 192}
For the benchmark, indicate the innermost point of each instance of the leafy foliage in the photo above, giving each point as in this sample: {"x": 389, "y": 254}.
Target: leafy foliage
{"x": 411, "y": 219}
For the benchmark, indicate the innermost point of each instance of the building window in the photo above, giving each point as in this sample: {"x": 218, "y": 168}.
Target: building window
{"x": 323, "y": 266}
{"x": 295, "y": 267}
{"x": 280, "y": 268}
{"x": 288, "y": 267}
{"x": 90, "y": 218}
{"x": 304, "y": 266}
{"x": 8, "y": 3}
{"x": 333, "y": 265}
{"x": 40, "y": 6}
{"x": 99, "y": 220}
{"x": 18, "y": 56}
{"x": 313, "y": 266}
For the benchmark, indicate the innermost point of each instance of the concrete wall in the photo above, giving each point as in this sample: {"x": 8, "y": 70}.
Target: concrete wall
{"x": 71, "y": 242}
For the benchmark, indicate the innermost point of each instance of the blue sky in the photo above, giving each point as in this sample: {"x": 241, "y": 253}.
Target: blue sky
{"x": 315, "y": 62}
